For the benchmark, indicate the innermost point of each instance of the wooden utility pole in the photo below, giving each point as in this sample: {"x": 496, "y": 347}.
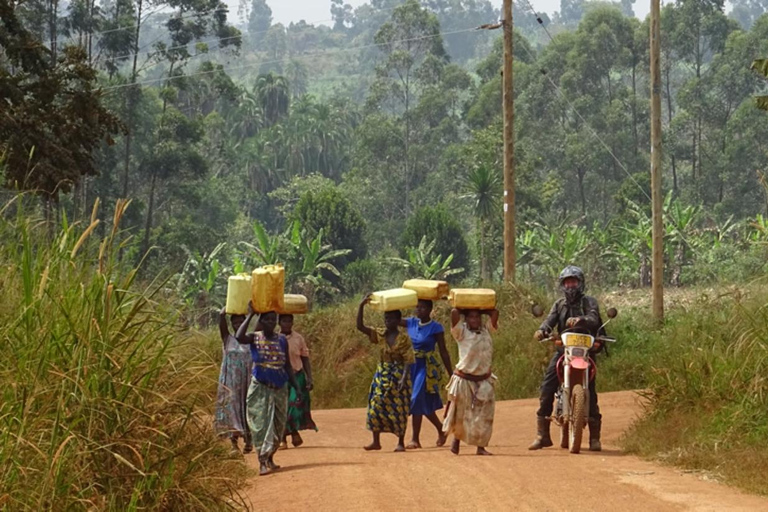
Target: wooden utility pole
{"x": 509, "y": 146}
{"x": 657, "y": 272}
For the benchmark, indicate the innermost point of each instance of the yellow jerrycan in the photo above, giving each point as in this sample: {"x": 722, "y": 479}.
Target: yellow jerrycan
{"x": 294, "y": 305}
{"x": 238, "y": 294}
{"x": 472, "y": 298}
{"x": 391, "y": 300}
{"x": 428, "y": 289}
{"x": 268, "y": 288}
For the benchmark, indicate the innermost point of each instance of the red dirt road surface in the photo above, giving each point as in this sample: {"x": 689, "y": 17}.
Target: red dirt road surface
{"x": 332, "y": 472}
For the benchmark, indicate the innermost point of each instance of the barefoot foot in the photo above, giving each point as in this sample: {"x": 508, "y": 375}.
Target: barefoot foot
{"x": 483, "y": 451}
{"x": 413, "y": 445}
{"x": 283, "y": 446}
{"x": 372, "y": 446}
{"x": 400, "y": 448}
{"x": 296, "y": 440}
{"x": 441, "y": 440}
{"x": 455, "y": 446}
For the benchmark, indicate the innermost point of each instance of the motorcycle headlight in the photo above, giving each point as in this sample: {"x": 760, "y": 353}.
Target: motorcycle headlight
{"x": 578, "y": 352}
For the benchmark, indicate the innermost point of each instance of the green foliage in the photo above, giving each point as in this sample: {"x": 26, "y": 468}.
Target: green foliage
{"x": 707, "y": 395}
{"x": 329, "y": 211}
{"x": 108, "y": 395}
{"x": 362, "y": 276}
{"x": 422, "y": 262}
{"x": 437, "y": 225}
{"x": 53, "y": 115}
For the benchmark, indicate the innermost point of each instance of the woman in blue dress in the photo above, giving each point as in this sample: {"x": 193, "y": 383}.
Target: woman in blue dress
{"x": 427, "y": 337}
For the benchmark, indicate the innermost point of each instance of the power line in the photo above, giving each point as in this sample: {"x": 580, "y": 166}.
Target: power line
{"x": 592, "y": 130}
{"x": 284, "y": 59}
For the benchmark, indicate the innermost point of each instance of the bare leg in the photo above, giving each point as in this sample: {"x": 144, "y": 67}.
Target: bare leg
{"x": 376, "y": 444}
{"x": 400, "y": 443}
{"x": 441, "y": 437}
{"x": 415, "y": 443}
{"x": 482, "y": 451}
{"x": 455, "y": 446}
{"x": 248, "y": 442}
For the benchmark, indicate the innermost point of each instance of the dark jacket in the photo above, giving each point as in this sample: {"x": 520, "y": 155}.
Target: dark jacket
{"x": 587, "y": 310}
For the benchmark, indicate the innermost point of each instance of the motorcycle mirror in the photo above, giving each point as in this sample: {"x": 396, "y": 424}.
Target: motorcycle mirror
{"x": 537, "y": 311}
{"x": 612, "y": 312}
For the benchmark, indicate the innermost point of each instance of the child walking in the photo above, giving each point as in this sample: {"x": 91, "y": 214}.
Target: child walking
{"x": 471, "y": 396}
{"x": 268, "y": 393}
{"x": 235, "y": 375}
{"x": 390, "y": 396}
{"x": 299, "y": 406}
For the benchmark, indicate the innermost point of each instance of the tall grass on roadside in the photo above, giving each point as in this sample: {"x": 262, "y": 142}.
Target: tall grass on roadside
{"x": 709, "y": 391}
{"x": 103, "y": 397}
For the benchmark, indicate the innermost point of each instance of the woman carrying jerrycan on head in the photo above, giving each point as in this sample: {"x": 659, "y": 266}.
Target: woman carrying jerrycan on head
{"x": 268, "y": 393}
{"x": 426, "y": 335}
{"x": 390, "y": 396}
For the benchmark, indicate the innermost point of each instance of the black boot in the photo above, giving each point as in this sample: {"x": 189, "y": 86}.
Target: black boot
{"x": 594, "y": 435}
{"x": 542, "y": 434}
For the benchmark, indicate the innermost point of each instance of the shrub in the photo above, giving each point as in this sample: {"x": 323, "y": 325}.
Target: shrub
{"x": 438, "y": 224}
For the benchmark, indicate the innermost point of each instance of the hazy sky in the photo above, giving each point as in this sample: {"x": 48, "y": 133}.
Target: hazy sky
{"x": 317, "y": 11}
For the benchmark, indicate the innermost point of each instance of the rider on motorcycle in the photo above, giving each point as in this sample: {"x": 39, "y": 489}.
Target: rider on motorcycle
{"x": 575, "y": 312}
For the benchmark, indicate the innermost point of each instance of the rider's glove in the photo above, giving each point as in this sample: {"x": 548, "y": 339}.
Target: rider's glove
{"x": 539, "y": 335}
{"x": 573, "y": 321}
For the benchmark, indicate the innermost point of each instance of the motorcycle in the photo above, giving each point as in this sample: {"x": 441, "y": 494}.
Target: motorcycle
{"x": 575, "y": 370}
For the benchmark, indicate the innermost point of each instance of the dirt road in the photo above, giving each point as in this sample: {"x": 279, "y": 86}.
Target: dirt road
{"x": 332, "y": 472}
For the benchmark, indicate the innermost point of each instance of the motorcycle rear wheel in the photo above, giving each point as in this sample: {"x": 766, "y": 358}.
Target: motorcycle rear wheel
{"x": 578, "y": 403}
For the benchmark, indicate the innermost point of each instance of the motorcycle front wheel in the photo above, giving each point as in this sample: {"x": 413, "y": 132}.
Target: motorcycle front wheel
{"x": 564, "y": 437}
{"x": 578, "y": 403}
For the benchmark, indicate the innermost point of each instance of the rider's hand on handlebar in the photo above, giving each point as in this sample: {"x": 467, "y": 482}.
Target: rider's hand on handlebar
{"x": 539, "y": 335}
{"x": 573, "y": 321}
{"x": 558, "y": 342}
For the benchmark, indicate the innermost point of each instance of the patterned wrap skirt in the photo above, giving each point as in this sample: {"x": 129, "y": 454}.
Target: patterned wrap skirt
{"x": 469, "y": 415}
{"x": 230, "y": 418}
{"x": 299, "y": 407}
{"x": 387, "y": 406}
{"x": 267, "y": 414}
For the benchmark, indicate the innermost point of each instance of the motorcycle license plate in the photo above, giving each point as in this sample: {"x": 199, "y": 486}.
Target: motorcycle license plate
{"x": 578, "y": 340}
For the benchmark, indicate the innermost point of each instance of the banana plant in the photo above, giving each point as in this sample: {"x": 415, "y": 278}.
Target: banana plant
{"x": 309, "y": 261}
{"x": 201, "y": 281}
{"x": 422, "y": 263}
{"x": 268, "y": 249}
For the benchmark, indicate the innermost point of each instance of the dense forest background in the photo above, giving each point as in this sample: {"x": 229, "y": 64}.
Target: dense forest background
{"x": 370, "y": 149}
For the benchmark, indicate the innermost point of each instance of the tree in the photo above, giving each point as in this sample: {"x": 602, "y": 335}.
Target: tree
{"x": 483, "y": 185}
{"x": 327, "y": 210}
{"x": 297, "y": 75}
{"x": 437, "y": 224}
{"x": 259, "y": 22}
{"x": 272, "y": 93}
{"x": 412, "y": 35}
{"x": 275, "y": 44}
{"x": 173, "y": 157}
{"x": 53, "y": 116}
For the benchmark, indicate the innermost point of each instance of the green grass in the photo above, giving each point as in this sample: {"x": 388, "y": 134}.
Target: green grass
{"x": 708, "y": 388}
{"x": 105, "y": 399}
